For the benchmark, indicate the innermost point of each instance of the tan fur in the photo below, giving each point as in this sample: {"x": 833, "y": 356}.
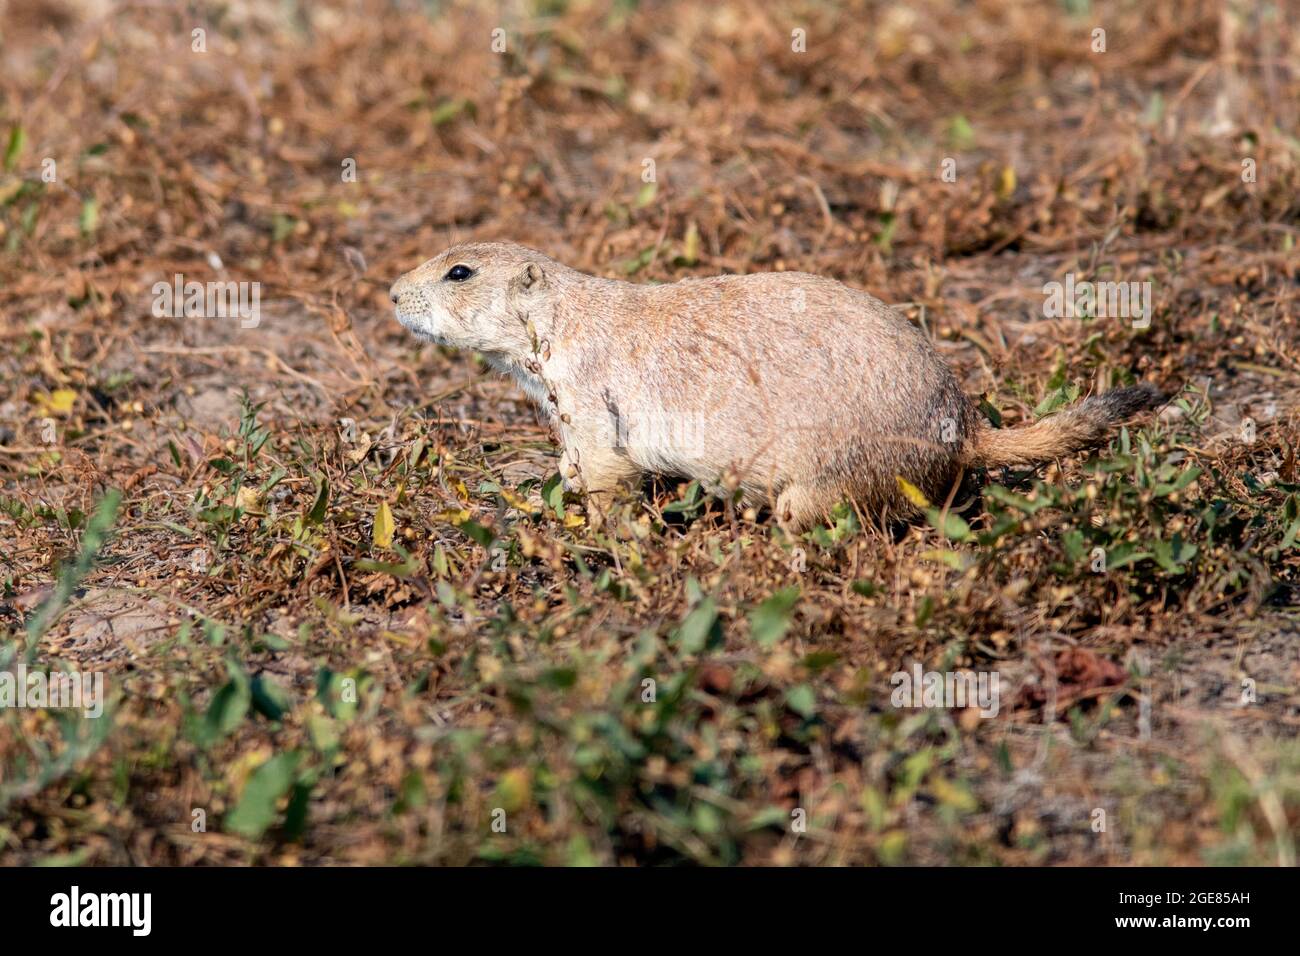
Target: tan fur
{"x": 786, "y": 387}
{"x": 1080, "y": 426}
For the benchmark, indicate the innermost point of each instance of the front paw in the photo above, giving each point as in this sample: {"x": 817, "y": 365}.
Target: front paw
{"x": 600, "y": 509}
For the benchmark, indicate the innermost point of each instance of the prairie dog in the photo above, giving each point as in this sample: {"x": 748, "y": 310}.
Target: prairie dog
{"x": 792, "y": 389}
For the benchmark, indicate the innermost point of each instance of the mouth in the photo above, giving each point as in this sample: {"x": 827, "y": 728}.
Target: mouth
{"x": 413, "y": 325}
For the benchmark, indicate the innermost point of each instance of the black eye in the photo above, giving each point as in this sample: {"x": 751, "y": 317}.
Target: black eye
{"x": 458, "y": 273}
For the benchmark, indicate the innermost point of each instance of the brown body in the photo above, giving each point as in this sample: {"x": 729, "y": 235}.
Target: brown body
{"x": 793, "y": 389}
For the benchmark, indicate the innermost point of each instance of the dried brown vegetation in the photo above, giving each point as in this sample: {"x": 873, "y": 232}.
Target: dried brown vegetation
{"x": 351, "y": 619}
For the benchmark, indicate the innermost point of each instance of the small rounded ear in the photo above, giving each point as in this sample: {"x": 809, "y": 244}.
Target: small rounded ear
{"x": 531, "y": 277}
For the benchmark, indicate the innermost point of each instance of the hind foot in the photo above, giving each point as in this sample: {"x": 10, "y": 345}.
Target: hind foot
{"x": 799, "y": 507}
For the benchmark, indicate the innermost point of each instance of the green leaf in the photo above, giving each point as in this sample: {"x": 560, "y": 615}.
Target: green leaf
{"x": 950, "y": 525}
{"x": 689, "y": 503}
{"x": 991, "y": 412}
{"x": 1013, "y": 500}
{"x": 324, "y": 733}
{"x": 1053, "y": 400}
{"x": 448, "y": 110}
{"x": 256, "y": 810}
{"x": 382, "y": 535}
{"x": 1181, "y": 482}
{"x": 820, "y": 660}
{"x": 1003, "y": 526}
{"x": 229, "y": 705}
{"x": 955, "y": 795}
{"x": 295, "y": 814}
{"x": 268, "y": 698}
{"x": 1124, "y": 553}
{"x": 643, "y": 259}
{"x": 408, "y": 567}
{"x": 801, "y": 700}
{"x": 89, "y": 216}
{"x": 553, "y": 494}
{"x": 1173, "y": 555}
{"x": 953, "y": 559}
{"x": 1075, "y": 547}
{"x": 412, "y": 794}
{"x": 282, "y": 227}
{"x": 960, "y": 133}
{"x": 699, "y": 627}
{"x": 476, "y": 532}
{"x": 559, "y": 678}
{"x": 770, "y": 620}
{"x": 1291, "y": 534}
{"x": 925, "y": 611}
{"x": 320, "y": 507}
{"x": 17, "y": 140}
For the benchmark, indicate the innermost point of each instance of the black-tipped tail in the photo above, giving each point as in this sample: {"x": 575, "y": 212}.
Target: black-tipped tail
{"x": 1081, "y": 426}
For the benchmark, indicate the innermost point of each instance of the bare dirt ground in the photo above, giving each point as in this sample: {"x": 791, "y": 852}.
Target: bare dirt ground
{"x": 345, "y": 615}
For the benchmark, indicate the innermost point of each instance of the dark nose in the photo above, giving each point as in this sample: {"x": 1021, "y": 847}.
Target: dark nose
{"x": 392, "y": 293}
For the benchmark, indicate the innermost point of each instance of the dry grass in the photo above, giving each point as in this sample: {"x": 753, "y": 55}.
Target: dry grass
{"x": 324, "y": 695}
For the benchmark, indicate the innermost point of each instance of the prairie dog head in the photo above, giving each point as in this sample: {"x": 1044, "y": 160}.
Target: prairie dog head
{"x": 478, "y": 296}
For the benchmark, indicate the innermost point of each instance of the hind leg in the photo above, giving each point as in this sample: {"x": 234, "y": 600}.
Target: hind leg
{"x": 799, "y": 507}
